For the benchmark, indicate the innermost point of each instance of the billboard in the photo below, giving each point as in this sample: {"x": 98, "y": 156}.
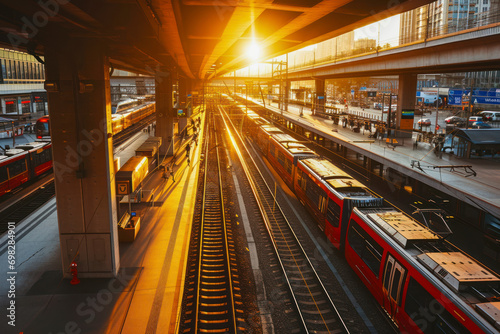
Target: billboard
{"x": 407, "y": 118}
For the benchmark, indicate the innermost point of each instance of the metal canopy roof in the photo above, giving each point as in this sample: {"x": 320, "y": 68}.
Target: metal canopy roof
{"x": 479, "y": 136}
{"x": 147, "y": 36}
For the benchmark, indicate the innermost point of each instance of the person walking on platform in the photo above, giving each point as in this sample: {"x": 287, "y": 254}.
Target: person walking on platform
{"x": 188, "y": 149}
{"x": 167, "y": 173}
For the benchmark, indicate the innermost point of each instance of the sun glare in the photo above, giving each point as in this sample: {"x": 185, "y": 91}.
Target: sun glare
{"x": 253, "y": 51}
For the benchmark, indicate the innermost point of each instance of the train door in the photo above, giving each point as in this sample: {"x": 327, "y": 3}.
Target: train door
{"x": 394, "y": 279}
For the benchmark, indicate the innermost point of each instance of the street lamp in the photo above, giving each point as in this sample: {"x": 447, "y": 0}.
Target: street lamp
{"x": 437, "y": 108}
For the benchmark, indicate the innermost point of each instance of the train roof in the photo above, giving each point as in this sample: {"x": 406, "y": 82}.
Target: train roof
{"x": 270, "y": 129}
{"x": 469, "y": 283}
{"x": 401, "y": 228}
{"x": 291, "y": 144}
{"x": 14, "y": 151}
{"x": 134, "y": 164}
{"x": 32, "y": 146}
{"x": 335, "y": 177}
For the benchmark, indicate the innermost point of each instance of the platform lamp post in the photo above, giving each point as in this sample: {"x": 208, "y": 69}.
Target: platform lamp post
{"x": 437, "y": 105}
{"x": 389, "y": 114}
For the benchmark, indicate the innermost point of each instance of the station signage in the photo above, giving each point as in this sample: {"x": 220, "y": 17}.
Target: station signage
{"x": 122, "y": 188}
{"x": 459, "y": 97}
{"x": 407, "y": 118}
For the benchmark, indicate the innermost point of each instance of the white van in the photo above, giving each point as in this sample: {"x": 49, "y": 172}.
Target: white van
{"x": 491, "y": 115}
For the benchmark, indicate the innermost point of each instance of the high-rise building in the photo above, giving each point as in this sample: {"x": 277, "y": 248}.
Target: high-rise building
{"x": 413, "y": 25}
{"x": 365, "y": 44}
{"x": 442, "y": 17}
{"x": 344, "y": 43}
{"x": 22, "y": 93}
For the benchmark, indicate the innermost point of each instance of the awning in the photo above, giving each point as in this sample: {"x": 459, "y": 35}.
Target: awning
{"x": 479, "y": 136}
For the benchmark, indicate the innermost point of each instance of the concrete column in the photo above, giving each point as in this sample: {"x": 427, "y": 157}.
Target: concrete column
{"x": 165, "y": 114}
{"x": 19, "y": 106}
{"x": 77, "y": 80}
{"x": 406, "y": 101}
{"x": 3, "y": 107}
{"x": 319, "y": 104}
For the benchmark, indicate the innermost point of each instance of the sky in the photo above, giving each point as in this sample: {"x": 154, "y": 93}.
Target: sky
{"x": 389, "y": 31}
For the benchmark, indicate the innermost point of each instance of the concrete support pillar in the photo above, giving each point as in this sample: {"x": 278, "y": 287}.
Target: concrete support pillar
{"x": 165, "y": 114}
{"x": 77, "y": 80}
{"x": 184, "y": 90}
{"x": 406, "y": 101}
{"x": 3, "y": 107}
{"x": 19, "y": 105}
{"x": 319, "y": 103}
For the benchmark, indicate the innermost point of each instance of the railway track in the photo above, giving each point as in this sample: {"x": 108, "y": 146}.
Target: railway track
{"x": 212, "y": 300}
{"x": 26, "y": 205}
{"x": 124, "y": 135}
{"x": 317, "y": 312}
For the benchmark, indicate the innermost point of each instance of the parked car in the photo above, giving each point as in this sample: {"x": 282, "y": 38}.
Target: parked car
{"x": 473, "y": 119}
{"x": 454, "y": 119}
{"x": 424, "y": 122}
{"x": 491, "y": 116}
{"x": 480, "y": 125}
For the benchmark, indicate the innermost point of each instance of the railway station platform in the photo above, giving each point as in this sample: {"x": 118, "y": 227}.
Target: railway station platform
{"x": 146, "y": 295}
{"x": 483, "y": 188}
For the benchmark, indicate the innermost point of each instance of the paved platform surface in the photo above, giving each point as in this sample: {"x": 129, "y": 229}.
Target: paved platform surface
{"x": 146, "y": 295}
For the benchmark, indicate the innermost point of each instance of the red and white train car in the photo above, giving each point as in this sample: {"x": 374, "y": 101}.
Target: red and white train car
{"x": 23, "y": 163}
{"x": 330, "y": 194}
{"x": 422, "y": 282}
{"x": 284, "y": 153}
{"x": 263, "y": 136}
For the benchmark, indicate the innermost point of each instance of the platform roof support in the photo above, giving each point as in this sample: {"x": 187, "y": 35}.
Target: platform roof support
{"x": 320, "y": 95}
{"x": 406, "y": 102}
{"x": 165, "y": 113}
{"x": 77, "y": 81}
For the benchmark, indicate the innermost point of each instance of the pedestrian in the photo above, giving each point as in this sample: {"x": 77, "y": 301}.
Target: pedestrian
{"x": 195, "y": 138}
{"x": 188, "y": 149}
{"x": 166, "y": 172}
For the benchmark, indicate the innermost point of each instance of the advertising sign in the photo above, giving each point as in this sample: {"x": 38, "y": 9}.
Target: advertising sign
{"x": 407, "y": 117}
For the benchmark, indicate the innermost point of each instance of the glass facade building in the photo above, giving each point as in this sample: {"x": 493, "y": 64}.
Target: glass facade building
{"x": 22, "y": 93}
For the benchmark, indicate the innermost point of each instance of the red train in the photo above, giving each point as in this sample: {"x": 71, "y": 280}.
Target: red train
{"x": 24, "y": 163}
{"x": 423, "y": 283}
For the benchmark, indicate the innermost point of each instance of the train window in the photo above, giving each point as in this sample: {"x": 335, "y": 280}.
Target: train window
{"x": 272, "y": 150}
{"x": 387, "y": 274}
{"x": 302, "y": 179}
{"x": 36, "y": 160}
{"x": 3, "y": 174}
{"x": 333, "y": 213}
{"x": 281, "y": 159}
{"x": 365, "y": 246}
{"x": 314, "y": 193}
{"x": 396, "y": 278}
{"x": 288, "y": 166}
{"x": 17, "y": 167}
{"x": 428, "y": 313}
